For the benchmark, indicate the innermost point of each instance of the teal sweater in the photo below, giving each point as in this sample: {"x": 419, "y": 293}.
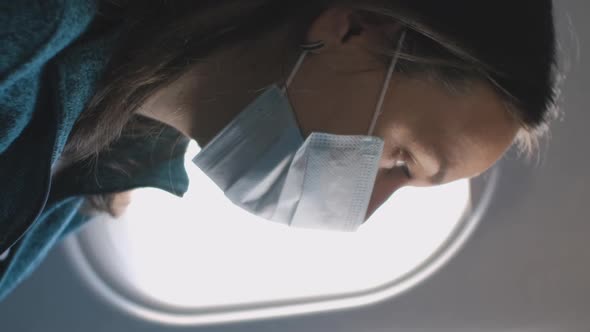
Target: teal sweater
{"x": 47, "y": 75}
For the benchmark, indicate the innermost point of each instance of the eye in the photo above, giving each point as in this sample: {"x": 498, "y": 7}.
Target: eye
{"x": 402, "y": 161}
{"x": 404, "y": 167}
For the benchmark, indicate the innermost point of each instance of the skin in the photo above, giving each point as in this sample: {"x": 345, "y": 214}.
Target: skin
{"x": 336, "y": 90}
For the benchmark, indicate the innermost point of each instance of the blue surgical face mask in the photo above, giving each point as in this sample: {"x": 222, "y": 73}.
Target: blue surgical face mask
{"x": 263, "y": 164}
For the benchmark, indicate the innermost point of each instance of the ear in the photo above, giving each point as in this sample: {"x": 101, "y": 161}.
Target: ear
{"x": 340, "y": 27}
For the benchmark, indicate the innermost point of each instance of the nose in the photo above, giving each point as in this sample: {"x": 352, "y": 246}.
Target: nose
{"x": 386, "y": 184}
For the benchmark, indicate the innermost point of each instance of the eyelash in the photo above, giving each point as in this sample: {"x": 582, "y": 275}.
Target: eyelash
{"x": 405, "y": 168}
{"x": 407, "y": 172}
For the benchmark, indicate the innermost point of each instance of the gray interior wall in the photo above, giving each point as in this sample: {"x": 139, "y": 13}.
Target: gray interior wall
{"x": 526, "y": 268}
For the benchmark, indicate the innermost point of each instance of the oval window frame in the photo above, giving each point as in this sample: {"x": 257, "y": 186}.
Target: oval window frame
{"x": 481, "y": 189}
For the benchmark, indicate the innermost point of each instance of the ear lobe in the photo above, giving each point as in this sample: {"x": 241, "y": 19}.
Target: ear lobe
{"x": 338, "y": 26}
{"x": 334, "y": 27}
{"x": 355, "y": 29}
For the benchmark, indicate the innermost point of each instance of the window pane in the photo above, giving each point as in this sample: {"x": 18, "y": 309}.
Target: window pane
{"x": 202, "y": 251}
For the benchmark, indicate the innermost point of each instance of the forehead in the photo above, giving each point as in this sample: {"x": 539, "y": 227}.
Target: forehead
{"x": 421, "y": 103}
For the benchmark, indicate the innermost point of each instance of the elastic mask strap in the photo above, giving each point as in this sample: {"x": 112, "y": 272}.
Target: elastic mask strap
{"x": 306, "y": 49}
{"x": 390, "y": 71}
{"x": 294, "y": 71}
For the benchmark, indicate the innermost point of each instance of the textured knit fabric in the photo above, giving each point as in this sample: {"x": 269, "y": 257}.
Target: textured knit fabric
{"x": 47, "y": 75}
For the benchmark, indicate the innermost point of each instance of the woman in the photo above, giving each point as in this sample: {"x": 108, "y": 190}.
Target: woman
{"x": 304, "y": 109}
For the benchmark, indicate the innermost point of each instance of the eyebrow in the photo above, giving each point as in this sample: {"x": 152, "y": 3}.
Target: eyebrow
{"x": 441, "y": 174}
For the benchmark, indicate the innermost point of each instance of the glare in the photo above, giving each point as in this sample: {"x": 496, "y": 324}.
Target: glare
{"x": 202, "y": 251}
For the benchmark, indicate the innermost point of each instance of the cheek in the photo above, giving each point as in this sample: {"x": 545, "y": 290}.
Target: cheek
{"x": 386, "y": 184}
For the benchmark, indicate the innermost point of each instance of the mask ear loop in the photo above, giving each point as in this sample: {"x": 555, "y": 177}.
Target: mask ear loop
{"x": 307, "y": 48}
{"x": 390, "y": 71}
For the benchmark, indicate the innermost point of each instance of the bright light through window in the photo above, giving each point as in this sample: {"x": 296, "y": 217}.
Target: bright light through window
{"x": 202, "y": 251}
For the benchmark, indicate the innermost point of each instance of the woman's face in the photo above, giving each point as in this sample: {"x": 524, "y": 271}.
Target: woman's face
{"x": 442, "y": 136}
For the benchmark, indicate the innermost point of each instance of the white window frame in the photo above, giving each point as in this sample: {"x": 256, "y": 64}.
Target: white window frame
{"x": 84, "y": 262}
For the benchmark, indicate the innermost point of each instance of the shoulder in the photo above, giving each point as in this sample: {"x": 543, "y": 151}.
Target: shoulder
{"x": 32, "y": 32}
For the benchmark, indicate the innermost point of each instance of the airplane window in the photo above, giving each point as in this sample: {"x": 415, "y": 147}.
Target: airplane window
{"x": 201, "y": 259}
